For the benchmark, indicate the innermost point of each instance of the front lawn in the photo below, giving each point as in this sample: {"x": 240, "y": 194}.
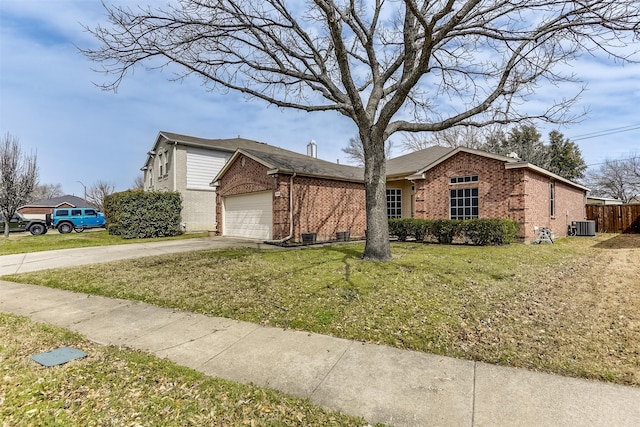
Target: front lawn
{"x": 116, "y": 387}
{"x": 571, "y": 308}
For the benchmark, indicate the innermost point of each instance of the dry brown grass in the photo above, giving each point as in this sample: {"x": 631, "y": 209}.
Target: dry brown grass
{"x": 571, "y": 308}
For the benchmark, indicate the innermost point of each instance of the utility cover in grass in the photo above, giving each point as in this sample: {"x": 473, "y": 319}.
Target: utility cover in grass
{"x": 59, "y": 356}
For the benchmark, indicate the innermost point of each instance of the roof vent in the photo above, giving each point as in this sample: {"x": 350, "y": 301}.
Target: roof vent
{"x": 312, "y": 149}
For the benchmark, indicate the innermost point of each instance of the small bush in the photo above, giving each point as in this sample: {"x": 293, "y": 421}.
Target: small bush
{"x": 445, "y": 230}
{"x": 489, "y": 231}
{"x": 399, "y": 227}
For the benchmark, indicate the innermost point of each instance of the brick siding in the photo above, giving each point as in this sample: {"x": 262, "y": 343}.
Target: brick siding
{"x": 518, "y": 194}
{"x": 320, "y": 206}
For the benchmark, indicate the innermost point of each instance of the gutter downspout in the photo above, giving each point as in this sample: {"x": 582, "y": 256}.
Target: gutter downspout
{"x": 290, "y": 213}
{"x": 175, "y": 161}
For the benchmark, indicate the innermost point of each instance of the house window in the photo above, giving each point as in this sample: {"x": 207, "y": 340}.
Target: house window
{"x": 463, "y": 179}
{"x": 464, "y": 203}
{"x": 166, "y": 162}
{"x": 161, "y": 164}
{"x": 552, "y": 199}
{"x": 394, "y": 203}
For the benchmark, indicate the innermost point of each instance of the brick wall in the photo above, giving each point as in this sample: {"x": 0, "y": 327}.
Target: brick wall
{"x": 519, "y": 194}
{"x": 498, "y": 189}
{"x": 327, "y": 207}
{"x": 320, "y": 206}
{"x": 569, "y": 205}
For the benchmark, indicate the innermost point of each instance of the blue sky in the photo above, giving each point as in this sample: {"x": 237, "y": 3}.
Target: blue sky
{"x": 81, "y": 134}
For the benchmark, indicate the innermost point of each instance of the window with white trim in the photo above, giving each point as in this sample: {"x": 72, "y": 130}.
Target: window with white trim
{"x": 463, "y": 179}
{"x": 463, "y": 203}
{"x": 394, "y": 203}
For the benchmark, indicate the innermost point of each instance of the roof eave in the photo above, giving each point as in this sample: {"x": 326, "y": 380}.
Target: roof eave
{"x": 542, "y": 171}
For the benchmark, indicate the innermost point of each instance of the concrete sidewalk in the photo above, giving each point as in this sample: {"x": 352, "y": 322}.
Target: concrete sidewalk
{"x": 381, "y": 384}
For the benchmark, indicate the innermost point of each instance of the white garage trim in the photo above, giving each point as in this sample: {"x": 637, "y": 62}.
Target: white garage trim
{"x": 248, "y": 215}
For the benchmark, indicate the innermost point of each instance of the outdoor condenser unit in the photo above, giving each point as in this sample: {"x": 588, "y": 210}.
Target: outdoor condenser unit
{"x": 584, "y": 228}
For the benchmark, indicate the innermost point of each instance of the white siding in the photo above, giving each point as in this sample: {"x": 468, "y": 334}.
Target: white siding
{"x": 248, "y": 215}
{"x": 202, "y": 166}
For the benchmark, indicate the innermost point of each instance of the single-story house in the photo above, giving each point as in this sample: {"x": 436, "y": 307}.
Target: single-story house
{"x": 280, "y": 195}
{"x": 40, "y": 208}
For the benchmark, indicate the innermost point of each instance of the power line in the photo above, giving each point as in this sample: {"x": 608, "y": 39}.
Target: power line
{"x": 606, "y": 132}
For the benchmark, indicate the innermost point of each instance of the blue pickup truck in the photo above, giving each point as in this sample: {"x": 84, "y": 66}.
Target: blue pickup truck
{"x": 68, "y": 219}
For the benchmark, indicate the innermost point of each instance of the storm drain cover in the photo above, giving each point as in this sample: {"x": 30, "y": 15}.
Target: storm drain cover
{"x": 59, "y": 356}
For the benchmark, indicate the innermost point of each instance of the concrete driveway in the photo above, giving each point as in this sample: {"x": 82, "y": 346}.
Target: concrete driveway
{"x": 34, "y": 261}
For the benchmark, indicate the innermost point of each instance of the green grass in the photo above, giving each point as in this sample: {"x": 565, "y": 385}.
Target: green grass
{"x": 561, "y": 308}
{"x": 116, "y": 387}
{"x": 24, "y": 242}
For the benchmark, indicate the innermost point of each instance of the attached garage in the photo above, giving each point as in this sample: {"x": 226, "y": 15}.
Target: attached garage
{"x": 248, "y": 215}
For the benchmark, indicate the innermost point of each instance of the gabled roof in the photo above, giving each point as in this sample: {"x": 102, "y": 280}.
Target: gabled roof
{"x": 226, "y": 145}
{"x": 54, "y": 202}
{"x": 289, "y": 162}
{"x": 411, "y": 163}
{"x": 510, "y": 163}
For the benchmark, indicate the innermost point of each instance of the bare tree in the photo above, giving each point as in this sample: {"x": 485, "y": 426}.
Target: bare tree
{"x": 355, "y": 150}
{"x": 390, "y": 66}
{"x": 460, "y": 136}
{"x": 618, "y": 179}
{"x": 18, "y": 177}
{"x": 97, "y": 193}
{"x": 46, "y": 191}
{"x": 138, "y": 183}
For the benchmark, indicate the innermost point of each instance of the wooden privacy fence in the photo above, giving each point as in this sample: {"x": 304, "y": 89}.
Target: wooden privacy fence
{"x": 615, "y": 218}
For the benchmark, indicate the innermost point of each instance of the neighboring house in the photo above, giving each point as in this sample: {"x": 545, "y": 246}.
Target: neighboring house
{"x": 594, "y": 200}
{"x": 279, "y": 196}
{"x": 187, "y": 165}
{"x": 40, "y": 208}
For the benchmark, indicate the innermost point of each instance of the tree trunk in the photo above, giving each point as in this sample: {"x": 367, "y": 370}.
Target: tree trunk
{"x": 6, "y": 228}
{"x": 377, "y": 247}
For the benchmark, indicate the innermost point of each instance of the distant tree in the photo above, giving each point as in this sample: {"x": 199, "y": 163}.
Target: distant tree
{"x": 617, "y": 179}
{"x": 18, "y": 177}
{"x": 463, "y": 136}
{"x": 46, "y": 191}
{"x": 355, "y": 150}
{"x": 389, "y": 66}
{"x": 97, "y": 193}
{"x": 565, "y": 158}
{"x": 138, "y": 183}
{"x": 525, "y": 141}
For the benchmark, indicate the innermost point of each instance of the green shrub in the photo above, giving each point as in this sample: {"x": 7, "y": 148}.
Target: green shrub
{"x": 480, "y": 232}
{"x": 399, "y": 227}
{"x": 489, "y": 231}
{"x": 138, "y": 214}
{"x": 420, "y": 228}
{"x": 445, "y": 230}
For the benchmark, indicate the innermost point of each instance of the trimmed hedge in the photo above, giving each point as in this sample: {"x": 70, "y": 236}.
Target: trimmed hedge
{"x": 480, "y": 232}
{"x": 139, "y": 214}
